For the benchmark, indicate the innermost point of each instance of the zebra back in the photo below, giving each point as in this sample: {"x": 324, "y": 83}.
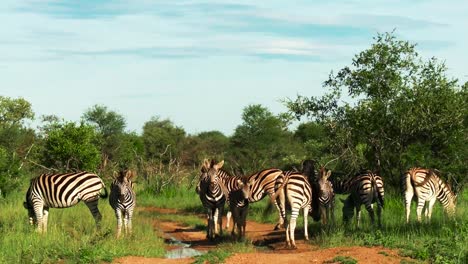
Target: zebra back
{"x": 368, "y": 187}
{"x": 64, "y": 189}
{"x": 427, "y": 183}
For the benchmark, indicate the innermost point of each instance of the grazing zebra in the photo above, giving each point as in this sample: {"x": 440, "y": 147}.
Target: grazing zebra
{"x": 239, "y": 205}
{"x": 61, "y": 191}
{"x": 365, "y": 188}
{"x": 122, "y": 199}
{"x": 212, "y": 197}
{"x": 428, "y": 187}
{"x": 326, "y": 196}
{"x": 298, "y": 192}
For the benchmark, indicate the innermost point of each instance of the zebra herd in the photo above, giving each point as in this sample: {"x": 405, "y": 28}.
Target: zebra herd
{"x": 300, "y": 190}
{"x": 314, "y": 194}
{"x": 67, "y": 189}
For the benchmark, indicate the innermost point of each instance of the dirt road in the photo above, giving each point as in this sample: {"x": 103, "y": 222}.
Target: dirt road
{"x": 260, "y": 235}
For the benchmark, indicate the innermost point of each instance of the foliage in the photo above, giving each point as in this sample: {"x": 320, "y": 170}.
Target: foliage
{"x": 402, "y": 109}
{"x": 210, "y": 144}
{"x": 342, "y": 260}
{"x": 162, "y": 139}
{"x": 68, "y": 146}
{"x": 262, "y": 140}
{"x": 15, "y": 141}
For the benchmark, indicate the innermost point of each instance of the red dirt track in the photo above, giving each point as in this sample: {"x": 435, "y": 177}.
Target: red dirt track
{"x": 261, "y": 234}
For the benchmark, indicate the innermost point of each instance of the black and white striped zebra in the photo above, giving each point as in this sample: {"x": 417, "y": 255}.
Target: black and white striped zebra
{"x": 365, "y": 188}
{"x": 239, "y": 205}
{"x": 61, "y": 191}
{"x": 298, "y": 193}
{"x": 212, "y": 196}
{"x": 122, "y": 199}
{"x": 326, "y": 196}
{"x": 427, "y": 185}
{"x": 261, "y": 183}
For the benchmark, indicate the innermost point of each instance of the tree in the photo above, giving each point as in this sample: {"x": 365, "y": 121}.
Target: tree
{"x": 15, "y": 141}
{"x": 110, "y": 126}
{"x": 68, "y": 146}
{"x": 210, "y": 144}
{"x": 404, "y": 112}
{"x": 162, "y": 139}
{"x": 262, "y": 140}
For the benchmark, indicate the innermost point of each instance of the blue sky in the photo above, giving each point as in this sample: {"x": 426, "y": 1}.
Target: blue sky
{"x": 199, "y": 63}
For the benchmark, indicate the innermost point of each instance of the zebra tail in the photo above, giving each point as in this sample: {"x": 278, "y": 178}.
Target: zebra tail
{"x": 105, "y": 195}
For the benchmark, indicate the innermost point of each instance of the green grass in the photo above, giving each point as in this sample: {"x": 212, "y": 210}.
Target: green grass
{"x": 442, "y": 240}
{"x": 72, "y": 236}
{"x": 342, "y": 260}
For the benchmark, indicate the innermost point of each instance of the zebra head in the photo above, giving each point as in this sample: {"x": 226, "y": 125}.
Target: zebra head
{"x": 244, "y": 185}
{"x": 325, "y": 186}
{"x": 203, "y": 175}
{"x": 213, "y": 170}
{"x": 124, "y": 183}
{"x": 28, "y": 205}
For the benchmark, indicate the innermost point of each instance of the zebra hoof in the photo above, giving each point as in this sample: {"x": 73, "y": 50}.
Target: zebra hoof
{"x": 277, "y": 227}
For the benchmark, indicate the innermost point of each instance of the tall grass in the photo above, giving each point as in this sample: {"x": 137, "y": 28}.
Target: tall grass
{"x": 72, "y": 236}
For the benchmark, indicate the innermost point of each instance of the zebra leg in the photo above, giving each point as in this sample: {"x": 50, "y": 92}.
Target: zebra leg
{"x": 408, "y": 198}
{"x": 93, "y": 208}
{"x": 429, "y": 208}
{"x": 118, "y": 215}
{"x": 419, "y": 209}
{"x": 358, "y": 216}
{"x": 306, "y": 214}
{"x": 323, "y": 214}
{"x": 370, "y": 210}
{"x": 220, "y": 220}
{"x": 125, "y": 222}
{"x": 45, "y": 218}
{"x": 215, "y": 221}
{"x": 379, "y": 215}
{"x": 280, "y": 204}
{"x": 292, "y": 227}
{"x": 288, "y": 239}
{"x": 39, "y": 212}
{"x": 130, "y": 217}
{"x": 228, "y": 219}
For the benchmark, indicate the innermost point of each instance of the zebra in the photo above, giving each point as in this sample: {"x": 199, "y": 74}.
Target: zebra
{"x": 122, "y": 199}
{"x": 261, "y": 183}
{"x": 365, "y": 188}
{"x": 61, "y": 191}
{"x": 326, "y": 196}
{"x": 212, "y": 197}
{"x": 239, "y": 205}
{"x": 298, "y": 192}
{"x": 427, "y": 185}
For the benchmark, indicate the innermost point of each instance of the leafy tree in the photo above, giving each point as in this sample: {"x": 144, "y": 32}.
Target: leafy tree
{"x": 69, "y": 146}
{"x": 404, "y": 111}
{"x": 211, "y": 144}
{"x": 110, "y": 126}
{"x": 262, "y": 140}
{"x": 313, "y": 137}
{"x": 162, "y": 139}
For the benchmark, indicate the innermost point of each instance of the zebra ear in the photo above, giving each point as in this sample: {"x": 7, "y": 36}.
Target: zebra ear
{"x": 205, "y": 165}
{"x": 328, "y": 174}
{"x": 130, "y": 175}
{"x": 219, "y": 165}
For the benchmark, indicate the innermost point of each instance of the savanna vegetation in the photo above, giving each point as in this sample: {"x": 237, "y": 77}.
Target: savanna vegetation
{"x": 389, "y": 110}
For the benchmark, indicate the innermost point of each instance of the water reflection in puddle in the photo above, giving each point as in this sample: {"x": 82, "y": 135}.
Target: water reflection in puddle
{"x": 183, "y": 250}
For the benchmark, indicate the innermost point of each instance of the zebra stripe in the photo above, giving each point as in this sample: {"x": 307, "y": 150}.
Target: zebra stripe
{"x": 212, "y": 197}
{"x": 122, "y": 199}
{"x": 261, "y": 183}
{"x": 428, "y": 187}
{"x": 298, "y": 192}
{"x": 365, "y": 188}
{"x": 326, "y": 196}
{"x": 61, "y": 191}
